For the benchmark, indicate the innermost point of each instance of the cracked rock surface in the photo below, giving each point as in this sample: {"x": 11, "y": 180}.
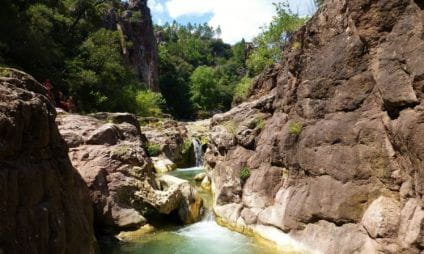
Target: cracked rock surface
{"x": 333, "y": 136}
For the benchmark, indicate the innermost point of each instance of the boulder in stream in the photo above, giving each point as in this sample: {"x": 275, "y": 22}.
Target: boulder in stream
{"x": 108, "y": 149}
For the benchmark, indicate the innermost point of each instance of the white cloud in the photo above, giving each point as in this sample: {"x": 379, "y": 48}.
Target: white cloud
{"x": 238, "y": 18}
{"x": 156, "y": 6}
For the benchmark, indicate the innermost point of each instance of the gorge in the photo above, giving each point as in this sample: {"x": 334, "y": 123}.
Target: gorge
{"x": 324, "y": 156}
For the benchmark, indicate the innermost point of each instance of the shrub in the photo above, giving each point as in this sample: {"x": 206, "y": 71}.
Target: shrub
{"x": 242, "y": 89}
{"x": 153, "y": 150}
{"x": 259, "y": 123}
{"x": 149, "y": 103}
{"x": 204, "y": 140}
{"x": 231, "y": 127}
{"x": 295, "y": 128}
{"x": 121, "y": 151}
{"x": 186, "y": 146}
{"x": 5, "y": 72}
{"x": 204, "y": 88}
{"x": 271, "y": 41}
{"x": 244, "y": 173}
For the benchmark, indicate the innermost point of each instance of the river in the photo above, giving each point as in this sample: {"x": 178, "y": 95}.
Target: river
{"x": 204, "y": 237}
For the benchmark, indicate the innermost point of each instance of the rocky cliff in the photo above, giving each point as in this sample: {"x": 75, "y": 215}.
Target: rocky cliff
{"x": 133, "y": 20}
{"x": 44, "y": 203}
{"x": 329, "y": 148}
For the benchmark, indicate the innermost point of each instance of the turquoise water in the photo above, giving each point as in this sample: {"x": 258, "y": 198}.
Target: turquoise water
{"x": 204, "y": 237}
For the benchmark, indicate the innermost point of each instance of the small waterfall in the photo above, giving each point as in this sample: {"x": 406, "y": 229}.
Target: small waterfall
{"x": 198, "y": 152}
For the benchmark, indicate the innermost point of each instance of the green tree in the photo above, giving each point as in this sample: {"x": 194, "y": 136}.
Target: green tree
{"x": 204, "y": 88}
{"x": 98, "y": 76}
{"x": 242, "y": 89}
{"x": 269, "y": 44}
{"x": 149, "y": 103}
{"x": 183, "y": 49}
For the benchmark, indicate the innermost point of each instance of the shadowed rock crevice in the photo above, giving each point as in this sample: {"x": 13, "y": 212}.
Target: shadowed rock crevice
{"x": 394, "y": 110}
{"x": 420, "y": 4}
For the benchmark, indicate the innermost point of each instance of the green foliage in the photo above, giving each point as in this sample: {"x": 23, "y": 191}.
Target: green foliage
{"x": 295, "y": 128}
{"x": 242, "y": 89}
{"x": 136, "y": 17}
{"x": 5, "y": 72}
{"x": 269, "y": 44}
{"x": 192, "y": 61}
{"x": 231, "y": 126}
{"x": 186, "y": 146}
{"x": 153, "y": 150}
{"x": 204, "y": 140}
{"x": 98, "y": 77}
{"x": 149, "y": 103}
{"x": 64, "y": 41}
{"x": 121, "y": 151}
{"x": 244, "y": 173}
{"x": 259, "y": 123}
{"x": 206, "y": 91}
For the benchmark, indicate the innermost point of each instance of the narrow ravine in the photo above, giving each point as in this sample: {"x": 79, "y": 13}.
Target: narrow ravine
{"x": 204, "y": 237}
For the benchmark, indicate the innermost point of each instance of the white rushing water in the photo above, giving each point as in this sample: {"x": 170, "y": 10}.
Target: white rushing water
{"x": 198, "y": 152}
{"x": 204, "y": 237}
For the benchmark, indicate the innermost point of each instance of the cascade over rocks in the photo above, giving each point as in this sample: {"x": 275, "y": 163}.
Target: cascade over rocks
{"x": 44, "y": 203}
{"x": 333, "y": 136}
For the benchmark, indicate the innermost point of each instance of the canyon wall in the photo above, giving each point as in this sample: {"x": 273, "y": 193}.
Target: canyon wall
{"x": 329, "y": 147}
{"x": 44, "y": 203}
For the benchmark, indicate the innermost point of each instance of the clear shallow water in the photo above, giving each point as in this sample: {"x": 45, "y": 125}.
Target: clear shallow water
{"x": 204, "y": 237}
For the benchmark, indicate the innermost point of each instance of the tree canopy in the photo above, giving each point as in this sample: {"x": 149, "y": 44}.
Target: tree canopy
{"x": 67, "y": 42}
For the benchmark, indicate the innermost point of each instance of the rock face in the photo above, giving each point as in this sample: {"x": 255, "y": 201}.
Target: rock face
{"x": 44, "y": 203}
{"x": 108, "y": 149}
{"x": 172, "y": 139}
{"x": 110, "y": 157}
{"x": 332, "y": 136}
{"x": 136, "y": 26}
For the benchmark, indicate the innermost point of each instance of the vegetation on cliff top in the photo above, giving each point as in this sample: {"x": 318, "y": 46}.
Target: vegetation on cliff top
{"x": 67, "y": 42}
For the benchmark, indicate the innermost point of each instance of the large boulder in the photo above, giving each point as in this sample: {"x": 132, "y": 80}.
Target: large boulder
{"x": 108, "y": 149}
{"x": 332, "y": 137}
{"x": 112, "y": 161}
{"x": 190, "y": 206}
{"x": 171, "y": 138}
{"x": 44, "y": 203}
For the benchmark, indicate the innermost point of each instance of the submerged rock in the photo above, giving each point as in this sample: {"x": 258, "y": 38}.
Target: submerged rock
{"x": 330, "y": 131}
{"x": 137, "y": 234}
{"x": 44, "y": 203}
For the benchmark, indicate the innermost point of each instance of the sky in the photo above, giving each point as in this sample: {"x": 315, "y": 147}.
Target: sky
{"x": 238, "y": 19}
